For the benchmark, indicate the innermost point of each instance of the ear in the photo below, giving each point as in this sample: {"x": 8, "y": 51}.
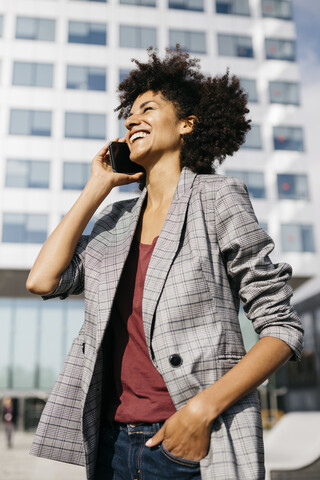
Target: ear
{"x": 187, "y": 124}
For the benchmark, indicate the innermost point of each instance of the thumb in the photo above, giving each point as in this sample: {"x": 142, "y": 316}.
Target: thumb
{"x": 157, "y": 438}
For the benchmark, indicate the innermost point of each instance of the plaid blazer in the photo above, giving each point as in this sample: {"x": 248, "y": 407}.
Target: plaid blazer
{"x": 211, "y": 252}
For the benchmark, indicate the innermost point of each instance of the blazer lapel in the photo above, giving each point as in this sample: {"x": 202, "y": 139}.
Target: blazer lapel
{"x": 113, "y": 262}
{"x": 165, "y": 250}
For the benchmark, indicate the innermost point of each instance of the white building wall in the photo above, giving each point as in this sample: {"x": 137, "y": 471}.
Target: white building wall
{"x": 57, "y": 149}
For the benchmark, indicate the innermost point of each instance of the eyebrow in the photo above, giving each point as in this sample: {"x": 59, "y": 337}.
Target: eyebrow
{"x": 141, "y": 106}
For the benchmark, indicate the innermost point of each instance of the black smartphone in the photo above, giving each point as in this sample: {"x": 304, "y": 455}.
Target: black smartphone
{"x": 120, "y": 159}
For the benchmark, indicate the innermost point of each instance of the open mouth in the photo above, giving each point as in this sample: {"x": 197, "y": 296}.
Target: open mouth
{"x": 137, "y": 135}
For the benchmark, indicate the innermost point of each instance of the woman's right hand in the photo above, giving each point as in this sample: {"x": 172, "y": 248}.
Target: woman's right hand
{"x": 101, "y": 171}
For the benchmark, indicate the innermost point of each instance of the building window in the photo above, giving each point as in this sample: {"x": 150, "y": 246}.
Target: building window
{"x": 27, "y": 174}
{"x": 286, "y": 93}
{"x": 277, "y": 9}
{"x": 1, "y": 25}
{"x": 253, "y": 180}
{"x": 87, "y": 32}
{"x": 191, "y": 41}
{"x": 253, "y": 138}
{"x": 29, "y": 28}
{"x": 123, "y": 73}
{"x": 30, "y": 122}
{"x": 24, "y": 228}
{"x": 32, "y": 74}
{"x": 250, "y": 87}
{"x": 288, "y": 138}
{"x": 297, "y": 238}
{"x": 137, "y": 37}
{"x": 85, "y": 125}
{"x": 35, "y": 340}
{"x": 235, "y": 45}
{"x": 129, "y": 188}
{"x": 233, "y": 7}
{"x": 293, "y": 187}
{"x": 75, "y": 175}
{"x": 264, "y": 226}
{"x": 279, "y": 49}
{"x": 122, "y": 128}
{"x": 89, "y": 225}
{"x": 86, "y": 78}
{"x": 195, "y": 5}
{"x": 141, "y": 3}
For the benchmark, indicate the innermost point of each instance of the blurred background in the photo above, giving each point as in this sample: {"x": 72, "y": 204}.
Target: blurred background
{"x": 60, "y": 64}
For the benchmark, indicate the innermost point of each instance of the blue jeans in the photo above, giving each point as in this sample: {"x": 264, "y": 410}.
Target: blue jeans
{"x": 122, "y": 455}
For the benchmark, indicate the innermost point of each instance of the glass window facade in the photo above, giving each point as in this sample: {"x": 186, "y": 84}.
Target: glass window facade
{"x": 189, "y": 40}
{"x": 195, "y": 5}
{"x": 142, "y": 3}
{"x": 123, "y": 73}
{"x": 27, "y": 173}
{"x": 30, "y": 122}
{"x": 122, "y": 128}
{"x": 86, "y": 78}
{"x": 235, "y": 45}
{"x": 24, "y": 228}
{"x": 288, "y": 138}
{"x": 75, "y": 175}
{"x": 87, "y": 32}
{"x": 297, "y": 238}
{"x": 250, "y": 86}
{"x": 137, "y": 37}
{"x": 293, "y": 186}
{"x": 7, "y": 327}
{"x": 277, "y": 9}
{"x": 264, "y": 226}
{"x": 280, "y": 49}
{"x": 31, "y": 74}
{"x": 233, "y": 7}
{"x": 287, "y": 93}
{"x": 29, "y": 28}
{"x": 253, "y": 180}
{"x": 129, "y": 188}
{"x": 35, "y": 339}
{"x": 89, "y": 226}
{"x": 85, "y": 125}
{"x": 253, "y": 138}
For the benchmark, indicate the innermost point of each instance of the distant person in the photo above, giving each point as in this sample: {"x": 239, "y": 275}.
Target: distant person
{"x": 158, "y": 386}
{"x": 8, "y": 417}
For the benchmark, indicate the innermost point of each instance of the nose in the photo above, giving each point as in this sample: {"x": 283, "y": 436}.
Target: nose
{"x": 131, "y": 121}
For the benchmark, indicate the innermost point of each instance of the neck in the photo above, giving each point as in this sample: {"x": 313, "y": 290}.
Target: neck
{"x": 161, "y": 181}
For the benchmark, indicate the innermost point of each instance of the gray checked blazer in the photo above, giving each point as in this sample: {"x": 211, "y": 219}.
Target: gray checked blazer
{"x": 211, "y": 253}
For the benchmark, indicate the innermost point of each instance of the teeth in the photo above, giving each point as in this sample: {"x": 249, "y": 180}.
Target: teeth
{"x": 138, "y": 135}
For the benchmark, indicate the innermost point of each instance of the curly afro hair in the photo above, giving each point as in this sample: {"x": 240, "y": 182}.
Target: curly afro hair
{"x": 219, "y": 104}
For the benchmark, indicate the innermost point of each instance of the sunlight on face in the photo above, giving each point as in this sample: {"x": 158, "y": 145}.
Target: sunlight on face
{"x": 154, "y": 131}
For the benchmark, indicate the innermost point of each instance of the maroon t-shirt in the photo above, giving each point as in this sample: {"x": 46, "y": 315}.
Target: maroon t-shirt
{"x": 138, "y": 392}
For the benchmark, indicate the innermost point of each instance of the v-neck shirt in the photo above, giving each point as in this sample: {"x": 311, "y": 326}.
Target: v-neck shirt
{"x": 138, "y": 392}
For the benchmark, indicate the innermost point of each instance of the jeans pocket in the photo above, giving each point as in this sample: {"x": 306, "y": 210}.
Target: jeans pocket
{"x": 181, "y": 461}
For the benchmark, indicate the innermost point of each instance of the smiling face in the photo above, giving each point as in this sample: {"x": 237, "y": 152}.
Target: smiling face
{"x": 153, "y": 129}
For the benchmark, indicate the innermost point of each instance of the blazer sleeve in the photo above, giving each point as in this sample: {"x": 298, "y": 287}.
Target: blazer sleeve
{"x": 262, "y": 286}
{"x": 72, "y": 279}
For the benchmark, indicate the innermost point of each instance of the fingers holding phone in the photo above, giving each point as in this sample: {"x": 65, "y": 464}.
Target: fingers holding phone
{"x": 120, "y": 159}
{"x": 103, "y": 169}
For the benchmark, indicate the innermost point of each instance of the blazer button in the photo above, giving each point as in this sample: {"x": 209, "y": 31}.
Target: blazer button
{"x": 175, "y": 360}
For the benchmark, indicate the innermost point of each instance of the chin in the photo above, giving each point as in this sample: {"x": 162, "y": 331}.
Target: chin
{"x": 138, "y": 158}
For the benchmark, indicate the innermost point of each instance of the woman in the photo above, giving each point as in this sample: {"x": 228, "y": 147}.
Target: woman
{"x": 158, "y": 385}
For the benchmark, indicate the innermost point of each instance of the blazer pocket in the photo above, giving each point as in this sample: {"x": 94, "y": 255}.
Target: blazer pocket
{"x": 224, "y": 364}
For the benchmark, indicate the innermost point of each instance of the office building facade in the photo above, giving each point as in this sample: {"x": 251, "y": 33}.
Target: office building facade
{"x": 60, "y": 64}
